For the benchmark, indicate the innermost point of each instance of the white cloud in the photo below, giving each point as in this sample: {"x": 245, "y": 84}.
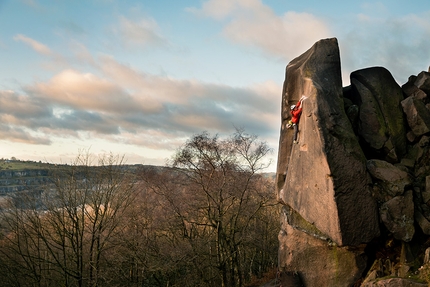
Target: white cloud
{"x": 370, "y": 42}
{"x": 30, "y": 3}
{"x": 122, "y": 104}
{"x": 286, "y": 36}
{"x": 254, "y": 24}
{"x": 377, "y": 9}
{"x": 20, "y": 134}
{"x": 86, "y": 91}
{"x": 215, "y": 9}
{"x": 142, "y": 33}
{"x": 35, "y": 45}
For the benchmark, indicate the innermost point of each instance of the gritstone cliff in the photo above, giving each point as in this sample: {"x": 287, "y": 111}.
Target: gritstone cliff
{"x": 355, "y": 187}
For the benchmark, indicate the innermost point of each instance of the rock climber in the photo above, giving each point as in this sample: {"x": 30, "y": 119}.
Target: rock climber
{"x": 296, "y": 111}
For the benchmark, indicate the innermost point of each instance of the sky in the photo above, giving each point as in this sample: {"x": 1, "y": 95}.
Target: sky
{"x": 139, "y": 78}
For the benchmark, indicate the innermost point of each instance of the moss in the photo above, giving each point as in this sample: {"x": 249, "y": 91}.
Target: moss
{"x": 296, "y": 220}
{"x": 424, "y": 273}
{"x": 307, "y": 72}
{"x": 336, "y": 262}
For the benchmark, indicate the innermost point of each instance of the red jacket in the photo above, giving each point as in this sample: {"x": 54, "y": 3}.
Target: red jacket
{"x": 296, "y": 112}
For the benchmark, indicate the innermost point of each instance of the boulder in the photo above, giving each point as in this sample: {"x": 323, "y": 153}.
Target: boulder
{"x": 417, "y": 115}
{"x": 427, "y": 187}
{"x": 425, "y": 197}
{"x": 391, "y": 180}
{"x": 407, "y": 162}
{"x": 381, "y": 122}
{"x": 411, "y": 90}
{"x": 419, "y": 152}
{"x": 394, "y": 282}
{"x": 397, "y": 215}
{"x": 411, "y": 136}
{"x": 381, "y": 267}
{"x": 423, "y": 81}
{"x": 324, "y": 177}
{"x": 422, "y": 147}
{"x": 427, "y": 256}
{"x": 423, "y": 222}
{"x": 290, "y": 278}
{"x": 422, "y": 208}
{"x": 361, "y": 162}
{"x": 318, "y": 262}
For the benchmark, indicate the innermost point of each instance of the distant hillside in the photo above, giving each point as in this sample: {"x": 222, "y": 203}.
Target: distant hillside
{"x": 17, "y": 175}
{"x": 6, "y": 164}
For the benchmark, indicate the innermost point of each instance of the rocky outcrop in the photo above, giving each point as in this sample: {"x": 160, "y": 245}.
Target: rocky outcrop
{"x": 315, "y": 258}
{"x": 418, "y": 118}
{"x": 381, "y": 123}
{"x": 398, "y": 216}
{"x": 324, "y": 176}
{"x": 356, "y": 187}
{"x": 388, "y": 179}
{"x": 394, "y": 282}
{"x": 12, "y": 181}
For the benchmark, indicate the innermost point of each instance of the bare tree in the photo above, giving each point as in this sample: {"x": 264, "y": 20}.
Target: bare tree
{"x": 210, "y": 219}
{"x": 139, "y": 257}
{"x": 64, "y": 242}
{"x": 223, "y": 196}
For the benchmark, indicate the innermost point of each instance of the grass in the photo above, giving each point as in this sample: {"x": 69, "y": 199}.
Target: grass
{"x": 21, "y": 165}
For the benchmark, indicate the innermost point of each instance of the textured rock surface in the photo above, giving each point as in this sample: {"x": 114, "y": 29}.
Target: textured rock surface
{"x": 381, "y": 123}
{"x": 324, "y": 177}
{"x": 362, "y": 149}
{"x": 417, "y": 114}
{"x": 394, "y": 282}
{"x": 422, "y": 81}
{"x": 398, "y": 216}
{"x": 389, "y": 180}
{"x": 318, "y": 262}
{"x": 423, "y": 222}
{"x": 410, "y": 90}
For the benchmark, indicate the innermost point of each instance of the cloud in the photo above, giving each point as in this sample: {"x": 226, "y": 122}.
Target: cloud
{"x": 127, "y": 105}
{"x": 86, "y": 91}
{"x": 79, "y": 120}
{"x": 2, "y": 45}
{"x": 21, "y": 106}
{"x": 376, "y": 9}
{"x": 251, "y": 23}
{"x": 365, "y": 40}
{"x": 82, "y": 54}
{"x": 141, "y": 34}
{"x": 31, "y": 3}
{"x": 73, "y": 28}
{"x": 35, "y": 45}
{"x": 20, "y": 135}
{"x": 215, "y": 9}
{"x": 403, "y": 55}
{"x": 287, "y": 36}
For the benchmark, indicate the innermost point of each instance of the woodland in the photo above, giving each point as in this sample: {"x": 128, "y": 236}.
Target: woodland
{"x": 209, "y": 218}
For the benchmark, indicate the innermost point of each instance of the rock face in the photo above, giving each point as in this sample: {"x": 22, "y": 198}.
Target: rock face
{"x": 394, "y": 282}
{"x": 324, "y": 176}
{"x": 356, "y": 186}
{"x": 389, "y": 180}
{"x": 398, "y": 216}
{"x": 18, "y": 180}
{"x": 318, "y": 261}
{"x": 418, "y": 119}
{"x": 381, "y": 122}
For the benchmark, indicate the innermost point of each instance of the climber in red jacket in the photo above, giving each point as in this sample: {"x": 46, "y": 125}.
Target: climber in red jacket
{"x": 296, "y": 111}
